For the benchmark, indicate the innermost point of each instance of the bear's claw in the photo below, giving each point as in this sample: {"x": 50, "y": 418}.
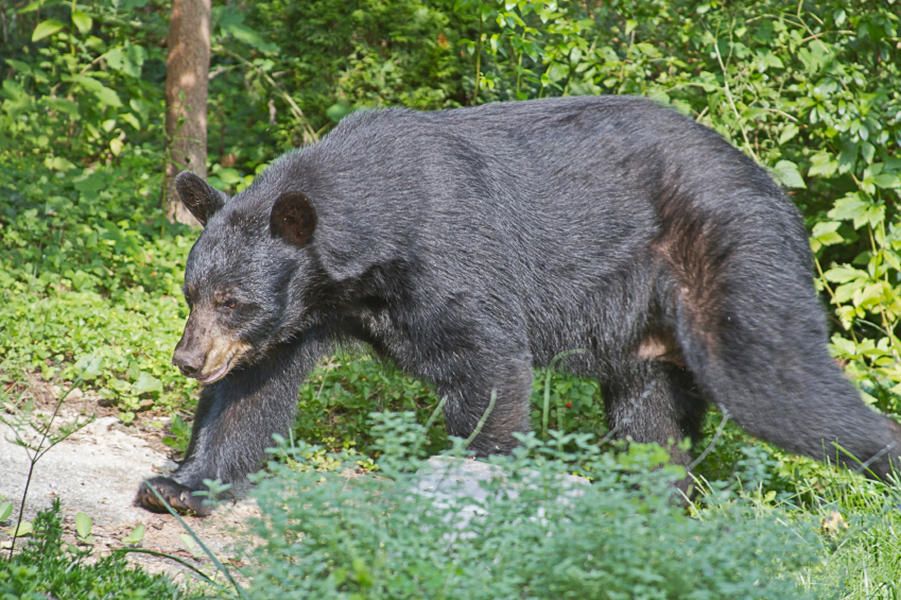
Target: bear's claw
{"x": 180, "y": 497}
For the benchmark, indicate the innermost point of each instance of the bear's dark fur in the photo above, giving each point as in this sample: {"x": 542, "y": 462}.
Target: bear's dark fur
{"x": 470, "y": 245}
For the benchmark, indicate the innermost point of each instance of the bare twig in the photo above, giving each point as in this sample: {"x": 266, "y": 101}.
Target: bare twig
{"x": 36, "y": 452}
{"x": 482, "y": 420}
{"x": 728, "y": 90}
{"x": 309, "y": 134}
{"x": 716, "y": 436}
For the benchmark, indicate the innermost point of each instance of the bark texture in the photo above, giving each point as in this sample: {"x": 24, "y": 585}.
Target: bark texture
{"x": 187, "y": 70}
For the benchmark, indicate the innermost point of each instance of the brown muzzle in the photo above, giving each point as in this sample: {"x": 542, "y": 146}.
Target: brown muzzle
{"x": 206, "y": 352}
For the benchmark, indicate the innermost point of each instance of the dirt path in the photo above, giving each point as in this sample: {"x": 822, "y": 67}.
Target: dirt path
{"x": 97, "y": 471}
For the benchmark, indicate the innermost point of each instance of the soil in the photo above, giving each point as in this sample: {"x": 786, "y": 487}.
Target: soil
{"x": 97, "y": 471}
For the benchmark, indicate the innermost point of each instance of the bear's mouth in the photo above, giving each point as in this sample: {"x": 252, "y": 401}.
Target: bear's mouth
{"x": 219, "y": 373}
{"x": 231, "y": 351}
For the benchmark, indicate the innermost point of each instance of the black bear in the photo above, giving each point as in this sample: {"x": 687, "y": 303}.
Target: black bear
{"x": 469, "y": 245}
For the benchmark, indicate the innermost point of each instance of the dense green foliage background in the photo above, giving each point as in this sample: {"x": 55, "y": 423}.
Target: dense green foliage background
{"x": 89, "y": 268}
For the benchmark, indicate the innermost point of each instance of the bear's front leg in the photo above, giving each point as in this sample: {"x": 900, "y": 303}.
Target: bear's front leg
{"x": 234, "y": 424}
{"x": 476, "y": 355}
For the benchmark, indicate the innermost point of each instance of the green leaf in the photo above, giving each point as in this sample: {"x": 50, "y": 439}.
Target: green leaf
{"x": 338, "y": 111}
{"x": 822, "y": 164}
{"x": 815, "y": 56}
{"x": 648, "y": 50}
{"x": 249, "y": 36}
{"x": 88, "y": 366}
{"x": 893, "y": 260}
{"x": 843, "y": 274}
{"x": 556, "y": 72}
{"x": 847, "y": 157}
{"x": 872, "y": 294}
{"x": 18, "y": 65}
{"x": 825, "y": 233}
{"x": 19, "y": 101}
{"x": 788, "y": 132}
{"x": 131, "y": 119}
{"x": 24, "y": 528}
{"x": 840, "y": 16}
{"x": 127, "y": 59}
{"x": 6, "y": 509}
{"x": 867, "y": 150}
{"x": 844, "y": 346}
{"x": 63, "y": 105}
{"x": 106, "y": 95}
{"x": 136, "y": 535}
{"x": 83, "y": 524}
{"x": 766, "y": 59}
{"x": 146, "y": 383}
{"x": 228, "y": 176}
{"x": 46, "y": 28}
{"x": 874, "y": 215}
{"x": 82, "y": 21}
{"x": 848, "y": 207}
{"x": 58, "y": 163}
{"x": 887, "y": 181}
{"x": 788, "y": 175}
{"x": 31, "y": 7}
{"x": 845, "y": 292}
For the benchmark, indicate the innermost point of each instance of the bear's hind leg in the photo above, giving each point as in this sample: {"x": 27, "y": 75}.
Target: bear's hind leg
{"x": 651, "y": 401}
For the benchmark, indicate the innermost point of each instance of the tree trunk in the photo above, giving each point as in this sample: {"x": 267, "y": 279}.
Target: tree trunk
{"x": 187, "y": 69}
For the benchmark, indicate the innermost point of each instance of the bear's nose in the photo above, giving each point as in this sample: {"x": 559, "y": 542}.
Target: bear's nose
{"x": 188, "y": 361}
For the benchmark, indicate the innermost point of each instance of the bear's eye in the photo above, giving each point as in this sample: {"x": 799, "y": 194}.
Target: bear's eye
{"x": 230, "y": 303}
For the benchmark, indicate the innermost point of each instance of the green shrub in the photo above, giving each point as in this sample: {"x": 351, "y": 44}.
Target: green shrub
{"x": 332, "y": 534}
{"x": 89, "y": 268}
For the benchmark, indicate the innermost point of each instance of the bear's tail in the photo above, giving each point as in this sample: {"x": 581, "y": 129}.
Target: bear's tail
{"x": 752, "y": 332}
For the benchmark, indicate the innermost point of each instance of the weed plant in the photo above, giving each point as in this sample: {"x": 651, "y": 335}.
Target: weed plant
{"x": 48, "y": 567}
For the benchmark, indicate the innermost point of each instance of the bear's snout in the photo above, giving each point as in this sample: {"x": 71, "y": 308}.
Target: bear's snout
{"x": 188, "y": 360}
{"x": 190, "y": 354}
{"x": 206, "y": 351}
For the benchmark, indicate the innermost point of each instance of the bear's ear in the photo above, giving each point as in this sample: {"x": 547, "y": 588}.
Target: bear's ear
{"x": 345, "y": 240}
{"x": 293, "y": 219}
{"x": 198, "y": 196}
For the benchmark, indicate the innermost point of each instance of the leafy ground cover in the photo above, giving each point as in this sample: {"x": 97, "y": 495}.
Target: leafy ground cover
{"x": 533, "y": 534}
{"x": 48, "y": 567}
{"x": 90, "y": 271}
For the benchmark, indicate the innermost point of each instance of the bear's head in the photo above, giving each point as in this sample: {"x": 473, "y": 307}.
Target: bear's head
{"x": 248, "y": 276}
{"x": 276, "y": 260}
